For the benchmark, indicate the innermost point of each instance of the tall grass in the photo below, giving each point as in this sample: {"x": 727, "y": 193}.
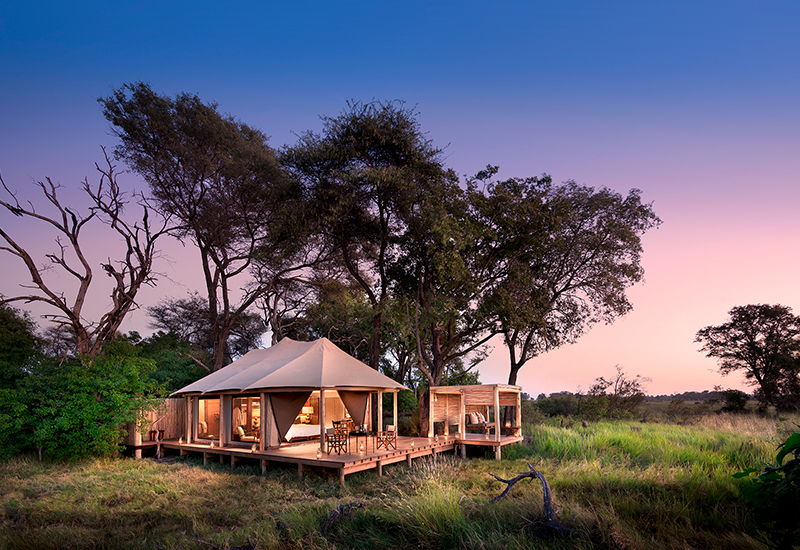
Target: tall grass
{"x": 618, "y": 485}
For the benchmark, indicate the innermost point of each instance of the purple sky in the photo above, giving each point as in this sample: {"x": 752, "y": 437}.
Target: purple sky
{"x": 694, "y": 102}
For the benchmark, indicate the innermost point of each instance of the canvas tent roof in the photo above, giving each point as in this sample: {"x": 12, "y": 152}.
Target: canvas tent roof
{"x": 293, "y": 365}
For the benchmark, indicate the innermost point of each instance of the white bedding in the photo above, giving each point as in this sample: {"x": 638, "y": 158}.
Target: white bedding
{"x": 302, "y": 431}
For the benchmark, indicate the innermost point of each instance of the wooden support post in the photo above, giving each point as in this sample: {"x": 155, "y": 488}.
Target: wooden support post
{"x": 187, "y": 428}
{"x": 137, "y": 454}
{"x": 322, "y": 444}
{"x": 262, "y": 423}
{"x": 462, "y": 413}
{"x": 497, "y": 420}
{"x": 233, "y": 462}
{"x": 380, "y": 468}
{"x": 369, "y": 413}
{"x": 394, "y": 414}
{"x": 429, "y": 425}
{"x": 498, "y": 452}
{"x": 408, "y": 457}
{"x": 205, "y": 458}
{"x": 463, "y": 451}
{"x": 341, "y": 477}
{"x": 300, "y": 471}
{"x": 225, "y": 419}
{"x": 263, "y": 466}
{"x": 222, "y": 459}
{"x": 195, "y": 419}
{"x": 380, "y": 411}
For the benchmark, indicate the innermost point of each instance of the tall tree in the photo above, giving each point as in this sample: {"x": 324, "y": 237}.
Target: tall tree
{"x": 570, "y": 253}
{"x": 763, "y": 342}
{"x": 339, "y": 311}
{"x": 365, "y": 171}
{"x": 444, "y": 272}
{"x": 219, "y": 180}
{"x": 108, "y": 203}
{"x": 189, "y": 320}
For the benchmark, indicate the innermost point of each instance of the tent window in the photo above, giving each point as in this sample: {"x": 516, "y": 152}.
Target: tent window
{"x": 246, "y": 418}
{"x": 208, "y": 418}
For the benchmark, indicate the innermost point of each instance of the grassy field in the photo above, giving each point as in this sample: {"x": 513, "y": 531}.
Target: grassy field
{"x": 617, "y": 485}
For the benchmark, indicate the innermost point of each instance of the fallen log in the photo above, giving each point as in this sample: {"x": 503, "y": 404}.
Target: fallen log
{"x": 549, "y": 511}
{"x": 338, "y": 512}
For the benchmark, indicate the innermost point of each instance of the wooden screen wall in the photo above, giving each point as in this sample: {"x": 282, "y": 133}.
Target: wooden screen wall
{"x": 173, "y": 422}
{"x": 446, "y": 408}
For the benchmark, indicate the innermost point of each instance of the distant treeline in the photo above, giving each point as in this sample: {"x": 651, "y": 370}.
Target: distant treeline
{"x": 704, "y": 395}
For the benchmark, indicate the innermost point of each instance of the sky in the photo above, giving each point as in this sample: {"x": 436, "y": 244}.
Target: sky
{"x": 693, "y": 102}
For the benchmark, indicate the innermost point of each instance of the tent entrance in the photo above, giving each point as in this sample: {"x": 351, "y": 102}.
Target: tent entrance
{"x": 207, "y": 424}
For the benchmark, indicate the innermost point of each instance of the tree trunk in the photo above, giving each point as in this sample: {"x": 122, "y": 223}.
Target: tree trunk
{"x": 375, "y": 343}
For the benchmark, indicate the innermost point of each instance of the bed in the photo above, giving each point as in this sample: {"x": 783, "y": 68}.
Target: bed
{"x": 300, "y": 432}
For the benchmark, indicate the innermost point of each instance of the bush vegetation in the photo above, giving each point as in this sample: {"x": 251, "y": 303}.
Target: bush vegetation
{"x": 773, "y": 498}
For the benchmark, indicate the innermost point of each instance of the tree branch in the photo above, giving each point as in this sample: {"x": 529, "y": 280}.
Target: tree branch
{"x": 549, "y": 511}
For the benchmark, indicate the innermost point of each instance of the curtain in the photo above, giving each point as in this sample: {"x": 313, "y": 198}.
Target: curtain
{"x": 356, "y": 404}
{"x": 286, "y": 406}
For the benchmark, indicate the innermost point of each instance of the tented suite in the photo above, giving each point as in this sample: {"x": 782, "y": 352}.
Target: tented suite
{"x": 291, "y": 391}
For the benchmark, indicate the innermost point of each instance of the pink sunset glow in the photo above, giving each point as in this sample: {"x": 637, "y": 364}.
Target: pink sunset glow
{"x": 700, "y": 116}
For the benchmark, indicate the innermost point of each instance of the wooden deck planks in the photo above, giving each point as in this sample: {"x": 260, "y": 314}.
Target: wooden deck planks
{"x": 304, "y": 455}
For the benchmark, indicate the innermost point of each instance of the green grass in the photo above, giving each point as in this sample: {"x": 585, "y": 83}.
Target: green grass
{"x": 618, "y": 485}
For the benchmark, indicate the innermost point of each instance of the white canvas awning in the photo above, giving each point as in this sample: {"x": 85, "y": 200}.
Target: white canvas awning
{"x": 291, "y": 365}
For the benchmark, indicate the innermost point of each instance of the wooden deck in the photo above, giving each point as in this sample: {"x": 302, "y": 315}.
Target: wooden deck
{"x": 304, "y": 455}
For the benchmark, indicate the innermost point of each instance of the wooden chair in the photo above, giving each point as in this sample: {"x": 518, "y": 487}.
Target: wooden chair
{"x": 387, "y": 438}
{"x": 335, "y": 441}
{"x": 341, "y": 427}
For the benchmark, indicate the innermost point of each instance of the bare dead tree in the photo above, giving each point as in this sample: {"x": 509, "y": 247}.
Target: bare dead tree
{"x": 549, "y": 510}
{"x": 134, "y": 269}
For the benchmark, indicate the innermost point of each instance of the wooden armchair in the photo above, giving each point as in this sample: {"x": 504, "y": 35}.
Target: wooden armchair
{"x": 335, "y": 441}
{"x": 341, "y": 427}
{"x": 387, "y": 438}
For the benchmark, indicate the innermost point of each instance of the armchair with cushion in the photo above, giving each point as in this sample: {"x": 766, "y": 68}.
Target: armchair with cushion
{"x": 241, "y": 436}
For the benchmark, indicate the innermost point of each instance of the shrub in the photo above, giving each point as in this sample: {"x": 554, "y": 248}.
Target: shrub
{"x": 530, "y": 412}
{"x": 558, "y": 404}
{"x": 734, "y": 401}
{"x": 681, "y": 412}
{"x": 616, "y": 398}
{"x": 773, "y": 497}
{"x": 76, "y": 409}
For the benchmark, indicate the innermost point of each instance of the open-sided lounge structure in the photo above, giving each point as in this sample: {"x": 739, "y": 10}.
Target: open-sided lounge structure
{"x": 476, "y": 408}
{"x": 292, "y": 390}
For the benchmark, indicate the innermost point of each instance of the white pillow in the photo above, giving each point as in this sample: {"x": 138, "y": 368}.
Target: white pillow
{"x": 481, "y": 418}
{"x": 240, "y": 431}
{"x": 473, "y": 418}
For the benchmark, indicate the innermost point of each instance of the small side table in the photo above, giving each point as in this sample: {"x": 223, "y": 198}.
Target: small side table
{"x": 356, "y": 435}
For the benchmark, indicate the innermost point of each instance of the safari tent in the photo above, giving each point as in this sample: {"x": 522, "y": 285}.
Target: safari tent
{"x": 290, "y": 391}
